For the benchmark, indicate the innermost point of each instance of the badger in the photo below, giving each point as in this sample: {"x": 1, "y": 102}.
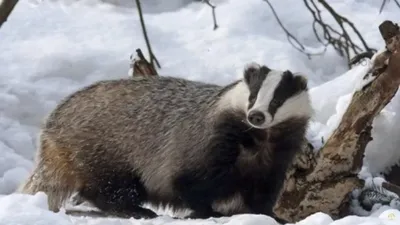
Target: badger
{"x": 168, "y": 141}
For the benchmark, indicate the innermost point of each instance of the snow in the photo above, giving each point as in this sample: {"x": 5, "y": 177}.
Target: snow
{"x": 23, "y": 209}
{"x": 49, "y": 49}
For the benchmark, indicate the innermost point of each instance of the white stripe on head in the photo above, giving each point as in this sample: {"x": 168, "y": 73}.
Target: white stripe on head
{"x": 298, "y": 105}
{"x": 266, "y": 93}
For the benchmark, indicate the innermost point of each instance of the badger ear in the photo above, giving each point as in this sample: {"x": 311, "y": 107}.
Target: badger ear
{"x": 264, "y": 70}
{"x": 250, "y": 70}
{"x": 301, "y": 83}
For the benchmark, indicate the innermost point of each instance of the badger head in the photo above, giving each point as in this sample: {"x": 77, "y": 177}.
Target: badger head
{"x": 274, "y": 96}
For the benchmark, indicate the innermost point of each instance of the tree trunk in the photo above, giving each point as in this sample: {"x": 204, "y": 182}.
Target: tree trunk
{"x": 322, "y": 182}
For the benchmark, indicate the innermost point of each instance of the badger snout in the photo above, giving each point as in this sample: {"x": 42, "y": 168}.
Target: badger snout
{"x": 259, "y": 119}
{"x": 256, "y": 118}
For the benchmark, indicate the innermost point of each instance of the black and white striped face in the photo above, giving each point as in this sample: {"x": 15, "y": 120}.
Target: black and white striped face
{"x": 275, "y": 96}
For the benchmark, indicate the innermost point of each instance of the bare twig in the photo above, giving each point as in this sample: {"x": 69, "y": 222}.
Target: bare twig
{"x": 382, "y": 6}
{"x": 386, "y": 1}
{"x": 152, "y": 56}
{"x": 397, "y": 3}
{"x": 297, "y": 45}
{"x": 342, "y": 42}
{"x": 213, "y": 12}
{"x": 6, "y": 7}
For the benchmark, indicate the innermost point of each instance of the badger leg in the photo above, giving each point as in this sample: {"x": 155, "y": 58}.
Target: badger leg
{"x": 53, "y": 174}
{"x": 198, "y": 195}
{"x": 118, "y": 195}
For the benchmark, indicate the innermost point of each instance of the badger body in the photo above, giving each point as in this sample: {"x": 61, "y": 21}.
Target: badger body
{"x": 216, "y": 150}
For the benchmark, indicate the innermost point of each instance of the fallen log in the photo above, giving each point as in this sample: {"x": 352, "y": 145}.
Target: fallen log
{"x": 322, "y": 182}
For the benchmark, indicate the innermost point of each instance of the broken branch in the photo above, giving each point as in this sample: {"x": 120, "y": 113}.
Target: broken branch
{"x": 153, "y": 58}
{"x": 6, "y": 7}
{"x": 141, "y": 67}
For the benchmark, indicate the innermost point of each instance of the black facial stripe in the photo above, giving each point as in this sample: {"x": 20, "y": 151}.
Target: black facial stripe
{"x": 254, "y": 79}
{"x": 287, "y": 87}
{"x": 252, "y": 100}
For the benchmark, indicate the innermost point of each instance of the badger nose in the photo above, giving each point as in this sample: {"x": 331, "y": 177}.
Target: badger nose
{"x": 257, "y": 118}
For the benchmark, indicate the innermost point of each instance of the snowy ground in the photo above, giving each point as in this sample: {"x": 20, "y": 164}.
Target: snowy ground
{"x": 50, "y": 49}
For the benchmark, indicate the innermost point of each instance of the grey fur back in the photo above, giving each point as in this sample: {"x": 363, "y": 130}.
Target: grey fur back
{"x": 154, "y": 126}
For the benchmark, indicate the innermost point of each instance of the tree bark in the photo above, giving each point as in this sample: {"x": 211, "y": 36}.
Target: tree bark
{"x": 322, "y": 182}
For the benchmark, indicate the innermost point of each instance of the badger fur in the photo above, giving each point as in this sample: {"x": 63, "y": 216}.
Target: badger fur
{"x": 215, "y": 150}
